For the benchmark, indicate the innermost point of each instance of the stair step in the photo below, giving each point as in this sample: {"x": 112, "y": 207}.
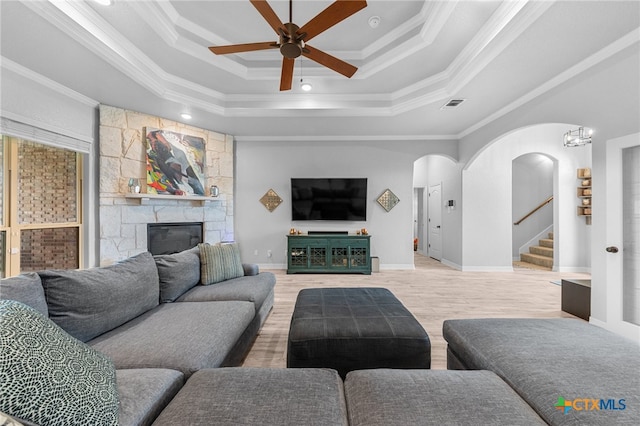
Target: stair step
{"x": 527, "y": 265}
{"x": 536, "y": 259}
{"x": 550, "y": 234}
{"x": 546, "y": 242}
{"x": 542, "y": 251}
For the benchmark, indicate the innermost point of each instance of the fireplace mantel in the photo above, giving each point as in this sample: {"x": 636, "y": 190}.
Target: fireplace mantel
{"x": 145, "y": 198}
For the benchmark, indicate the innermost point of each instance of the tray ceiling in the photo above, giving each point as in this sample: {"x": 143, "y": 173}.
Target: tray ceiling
{"x": 153, "y": 56}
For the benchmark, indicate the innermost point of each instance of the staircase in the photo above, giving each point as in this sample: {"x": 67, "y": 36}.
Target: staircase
{"x": 541, "y": 255}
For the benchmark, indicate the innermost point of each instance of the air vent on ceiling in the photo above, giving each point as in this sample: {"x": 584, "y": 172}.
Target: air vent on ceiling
{"x": 452, "y": 103}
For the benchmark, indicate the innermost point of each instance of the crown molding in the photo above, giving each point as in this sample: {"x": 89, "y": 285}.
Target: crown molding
{"x": 350, "y": 138}
{"x": 504, "y": 26}
{"x": 98, "y": 36}
{"x": 400, "y": 32}
{"x": 45, "y": 82}
{"x": 617, "y": 46}
{"x": 103, "y": 39}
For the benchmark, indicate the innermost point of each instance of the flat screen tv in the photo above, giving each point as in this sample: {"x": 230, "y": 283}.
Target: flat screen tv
{"x": 329, "y": 199}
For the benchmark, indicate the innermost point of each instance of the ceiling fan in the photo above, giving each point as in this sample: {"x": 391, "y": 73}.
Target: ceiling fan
{"x": 293, "y": 40}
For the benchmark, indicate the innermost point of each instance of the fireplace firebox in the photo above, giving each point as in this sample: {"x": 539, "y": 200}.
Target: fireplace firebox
{"x": 168, "y": 238}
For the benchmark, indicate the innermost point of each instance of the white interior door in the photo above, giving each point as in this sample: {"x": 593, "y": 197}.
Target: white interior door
{"x": 418, "y": 226}
{"x": 435, "y": 222}
{"x": 623, "y": 235}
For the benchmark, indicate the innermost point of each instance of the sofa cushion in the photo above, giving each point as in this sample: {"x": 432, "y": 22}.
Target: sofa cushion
{"x": 50, "y": 378}
{"x": 258, "y": 396}
{"x": 25, "y": 288}
{"x": 254, "y": 289}
{"x": 87, "y": 303}
{"x": 387, "y": 397}
{"x": 144, "y": 393}
{"x": 180, "y": 336}
{"x": 544, "y": 359}
{"x": 219, "y": 262}
{"x": 177, "y": 273}
{"x": 250, "y": 269}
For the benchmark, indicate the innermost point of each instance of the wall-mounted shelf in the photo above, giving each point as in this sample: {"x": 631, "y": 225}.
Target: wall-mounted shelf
{"x": 584, "y": 193}
{"x": 145, "y": 198}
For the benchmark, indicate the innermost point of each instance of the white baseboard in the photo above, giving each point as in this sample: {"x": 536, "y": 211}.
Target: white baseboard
{"x": 451, "y": 264}
{"x": 397, "y": 266}
{"x": 579, "y": 269}
{"x": 272, "y": 266}
{"x": 627, "y": 330}
{"x": 487, "y": 269}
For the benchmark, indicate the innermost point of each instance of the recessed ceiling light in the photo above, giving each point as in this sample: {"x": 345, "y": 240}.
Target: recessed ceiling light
{"x": 185, "y": 116}
{"x": 104, "y": 2}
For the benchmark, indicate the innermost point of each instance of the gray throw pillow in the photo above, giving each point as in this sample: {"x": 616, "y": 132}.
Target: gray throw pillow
{"x": 25, "y": 288}
{"x": 50, "y": 378}
{"x": 87, "y": 303}
{"x": 177, "y": 273}
{"x": 219, "y": 263}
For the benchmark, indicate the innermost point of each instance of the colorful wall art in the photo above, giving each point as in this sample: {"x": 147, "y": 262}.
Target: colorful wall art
{"x": 175, "y": 163}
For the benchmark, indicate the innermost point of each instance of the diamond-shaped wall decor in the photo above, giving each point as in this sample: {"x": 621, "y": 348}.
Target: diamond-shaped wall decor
{"x": 388, "y": 200}
{"x": 271, "y": 200}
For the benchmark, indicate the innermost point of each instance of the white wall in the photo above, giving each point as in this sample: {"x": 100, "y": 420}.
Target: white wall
{"x": 35, "y": 108}
{"x": 605, "y": 98}
{"x": 532, "y": 184}
{"x": 486, "y": 190}
{"x": 436, "y": 169}
{"x": 264, "y": 165}
{"x": 607, "y": 280}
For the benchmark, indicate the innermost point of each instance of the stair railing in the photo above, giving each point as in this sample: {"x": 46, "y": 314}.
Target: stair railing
{"x": 544, "y": 203}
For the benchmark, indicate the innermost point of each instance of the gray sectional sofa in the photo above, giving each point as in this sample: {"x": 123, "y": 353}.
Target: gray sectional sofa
{"x": 150, "y": 342}
{"x": 151, "y": 317}
{"x": 567, "y": 370}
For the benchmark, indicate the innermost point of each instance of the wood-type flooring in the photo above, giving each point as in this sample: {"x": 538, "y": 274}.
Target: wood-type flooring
{"x": 433, "y": 292}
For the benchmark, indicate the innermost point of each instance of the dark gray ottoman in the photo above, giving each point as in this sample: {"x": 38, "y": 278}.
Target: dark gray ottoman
{"x": 258, "y": 396}
{"x": 433, "y": 397}
{"x": 353, "y": 329}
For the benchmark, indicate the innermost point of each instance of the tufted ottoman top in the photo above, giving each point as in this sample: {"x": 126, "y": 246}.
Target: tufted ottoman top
{"x": 355, "y": 328}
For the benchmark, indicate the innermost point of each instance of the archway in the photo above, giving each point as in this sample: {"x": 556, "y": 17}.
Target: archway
{"x": 532, "y": 206}
{"x": 488, "y": 207}
{"x": 445, "y": 173}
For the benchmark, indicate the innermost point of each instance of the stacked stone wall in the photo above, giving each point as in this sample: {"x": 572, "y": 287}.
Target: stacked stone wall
{"x": 123, "y": 221}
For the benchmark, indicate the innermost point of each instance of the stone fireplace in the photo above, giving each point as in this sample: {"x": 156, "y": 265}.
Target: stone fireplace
{"x": 123, "y": 218}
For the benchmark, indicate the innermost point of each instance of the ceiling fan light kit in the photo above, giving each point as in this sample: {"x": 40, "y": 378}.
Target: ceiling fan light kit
{"x": 292, "y": 39}
{"x": 305, "y": 85}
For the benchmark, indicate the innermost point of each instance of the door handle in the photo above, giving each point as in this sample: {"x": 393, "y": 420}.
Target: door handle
{"x": 612, "y": 249}
{"x": 438, "y": 226}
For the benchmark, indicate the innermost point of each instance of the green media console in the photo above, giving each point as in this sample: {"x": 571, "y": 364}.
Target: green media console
{"x": 328, "y": 253}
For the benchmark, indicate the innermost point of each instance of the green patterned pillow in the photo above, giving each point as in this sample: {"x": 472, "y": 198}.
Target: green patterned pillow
{"x": 50, "y": 378}
{"x": 219, "y": 263}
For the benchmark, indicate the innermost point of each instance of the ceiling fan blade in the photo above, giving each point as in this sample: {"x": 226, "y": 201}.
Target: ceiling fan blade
{"x": 268, "y": 14}
{"x": 286, "y": 78}
{"x": 336, "y": 12}
{"x": 247, "y": 47}
{"x": 329, "y": 61}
